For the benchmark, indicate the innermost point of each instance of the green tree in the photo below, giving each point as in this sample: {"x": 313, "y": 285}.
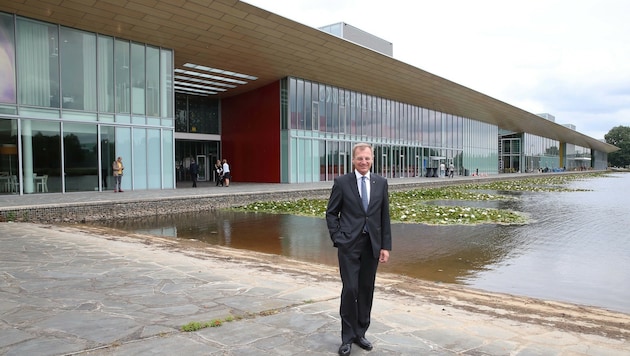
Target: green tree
{"x": 620, "y": 137}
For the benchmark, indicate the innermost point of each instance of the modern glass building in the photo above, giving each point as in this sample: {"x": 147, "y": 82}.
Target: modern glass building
{"x": 160, "y": 84}
{"x": 72, "y": 101}
{"x": 324, "y": 122}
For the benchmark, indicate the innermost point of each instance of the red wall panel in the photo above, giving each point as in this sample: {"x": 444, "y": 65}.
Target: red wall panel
{"x": 250, "y": 134}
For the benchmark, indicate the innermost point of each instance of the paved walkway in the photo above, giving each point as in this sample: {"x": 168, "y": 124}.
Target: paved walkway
{"x": 65, "y": 290}
{"x": 184, "y": 189}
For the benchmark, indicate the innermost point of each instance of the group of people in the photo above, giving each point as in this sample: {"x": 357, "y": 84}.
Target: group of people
{"x": 447, "y": 171}
{"x": 221, "y": 168}
{"x": 222, "y": 173}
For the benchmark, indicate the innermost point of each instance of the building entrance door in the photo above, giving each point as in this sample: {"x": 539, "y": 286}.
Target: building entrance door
{"x": 343, "y": 163}
{"x": 402, "y": 167}
{"x": 385, "y": 171}
{"x": 203, "y": 168}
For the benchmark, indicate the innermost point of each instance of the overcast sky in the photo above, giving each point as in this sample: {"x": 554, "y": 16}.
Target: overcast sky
{"x": 568, "y": 58}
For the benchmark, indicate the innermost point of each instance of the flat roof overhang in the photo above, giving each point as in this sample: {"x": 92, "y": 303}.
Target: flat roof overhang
{"x": 239, "y": 37}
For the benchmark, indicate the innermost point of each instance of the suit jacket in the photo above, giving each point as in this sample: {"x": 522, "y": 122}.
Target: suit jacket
{"x": 346, "y": 217}
{"x": 194, "y": 168}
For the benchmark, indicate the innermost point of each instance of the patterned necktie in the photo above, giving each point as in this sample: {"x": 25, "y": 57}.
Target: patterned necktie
{"x": 364, "y": 194}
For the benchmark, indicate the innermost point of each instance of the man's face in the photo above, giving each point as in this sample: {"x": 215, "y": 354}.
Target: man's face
{"x": 362, "y": 160}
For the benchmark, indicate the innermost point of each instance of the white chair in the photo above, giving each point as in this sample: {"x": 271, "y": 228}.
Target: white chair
{"x": 42, "y": 184}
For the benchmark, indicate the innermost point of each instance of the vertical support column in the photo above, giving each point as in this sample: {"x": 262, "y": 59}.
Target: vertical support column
{"x": 562, "y": 152}
{"x": 28, "y": 183}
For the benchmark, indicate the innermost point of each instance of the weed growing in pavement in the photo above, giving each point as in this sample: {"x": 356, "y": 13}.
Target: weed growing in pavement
{"x": 196, "y": 325}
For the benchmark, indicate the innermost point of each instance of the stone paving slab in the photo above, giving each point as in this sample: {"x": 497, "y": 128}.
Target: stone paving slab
{"x": 65, "y": 291}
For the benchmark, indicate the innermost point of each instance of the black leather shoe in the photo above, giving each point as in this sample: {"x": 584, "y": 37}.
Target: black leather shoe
{"x": 344, "y": 350}
{"x": 363, "y": 343}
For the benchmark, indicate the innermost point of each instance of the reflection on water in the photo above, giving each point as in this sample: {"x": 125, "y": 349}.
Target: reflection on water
{"x": 298, "y": 237}
{"x": 574, "y": 250}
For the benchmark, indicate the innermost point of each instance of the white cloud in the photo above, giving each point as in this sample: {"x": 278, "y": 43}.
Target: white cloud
{"x": 567, "y": 58}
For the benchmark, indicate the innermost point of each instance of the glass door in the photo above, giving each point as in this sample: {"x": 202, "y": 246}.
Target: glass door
{"x": 402, "y": 166}
{"x": 343, "y": 163}
{"x": 203, "y": 168}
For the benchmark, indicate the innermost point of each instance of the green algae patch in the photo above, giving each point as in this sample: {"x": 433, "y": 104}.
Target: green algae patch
{"x": 411, "y": 206}
{"x": 401, "y": 210}
{"x": 454, "y": 215}
{"x": 407, "y": 207}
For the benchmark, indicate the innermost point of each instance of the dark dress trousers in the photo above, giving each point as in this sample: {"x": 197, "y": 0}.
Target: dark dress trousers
{"x": 357, "y": 251}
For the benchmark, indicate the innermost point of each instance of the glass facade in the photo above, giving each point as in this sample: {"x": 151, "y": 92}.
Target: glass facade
{"x": 525, "y": 152}
{"x": 540, "y": 154}
{"x": 578, "y": 158}
{"x": 76, "y": 101}
{"x": 71, "y": 101}
{"x": 321, "y": 123}
{"x": 197, "y": 115}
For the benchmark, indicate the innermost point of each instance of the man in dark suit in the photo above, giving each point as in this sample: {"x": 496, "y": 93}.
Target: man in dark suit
{"x": 194, "y": 172}
{"x": 359, "y": 224}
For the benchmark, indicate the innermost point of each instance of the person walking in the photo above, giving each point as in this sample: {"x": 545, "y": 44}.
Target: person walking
{"x": 358, "y": 220}
{"x": 194, "y": 172}
{"x": 226, "y": 173}
{"x": 117, "y": 167}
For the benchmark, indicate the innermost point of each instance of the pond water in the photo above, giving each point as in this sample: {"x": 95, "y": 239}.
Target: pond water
{"x": 576, "y": 248}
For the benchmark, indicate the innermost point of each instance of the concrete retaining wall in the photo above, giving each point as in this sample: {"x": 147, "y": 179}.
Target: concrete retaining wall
{"x": 83, "y": 212}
